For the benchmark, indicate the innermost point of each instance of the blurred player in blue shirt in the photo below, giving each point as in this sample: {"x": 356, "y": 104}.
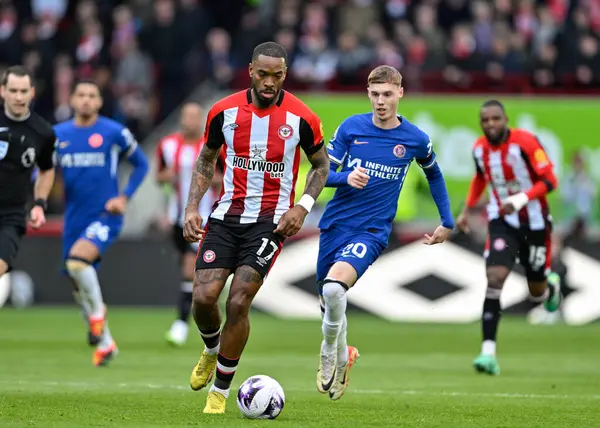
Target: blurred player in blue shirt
{"x": 374, "y": 151}
{"x": 89, "y": 149}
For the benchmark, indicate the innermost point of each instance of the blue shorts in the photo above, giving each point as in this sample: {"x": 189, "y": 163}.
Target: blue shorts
{"x": 358, "y": 249}
{"x": 101, "y": 231}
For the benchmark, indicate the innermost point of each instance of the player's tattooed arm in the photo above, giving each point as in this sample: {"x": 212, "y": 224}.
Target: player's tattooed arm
{"x": 317, "y": 175}
{"x": 202, "y": 176}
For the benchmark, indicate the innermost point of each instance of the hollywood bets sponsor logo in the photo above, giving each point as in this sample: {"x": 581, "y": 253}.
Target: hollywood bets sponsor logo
{"x": 275, "y": 169}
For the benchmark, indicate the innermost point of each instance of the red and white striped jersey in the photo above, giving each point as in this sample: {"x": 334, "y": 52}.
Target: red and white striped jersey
{"x": 514, "y": 166}
{"x": 262, "y": 154}
{"x": 174, "y": 153}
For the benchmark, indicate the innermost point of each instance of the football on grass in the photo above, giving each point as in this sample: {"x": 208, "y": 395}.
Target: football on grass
{"x": 260, "y": 397}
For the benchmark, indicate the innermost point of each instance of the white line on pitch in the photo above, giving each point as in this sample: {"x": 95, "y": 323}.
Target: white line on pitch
{"x": 144, "y": 386}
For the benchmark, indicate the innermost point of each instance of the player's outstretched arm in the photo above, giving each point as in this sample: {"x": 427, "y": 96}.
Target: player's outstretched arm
{"x": 201, "y": 181}
{"x": 439, "y": 192}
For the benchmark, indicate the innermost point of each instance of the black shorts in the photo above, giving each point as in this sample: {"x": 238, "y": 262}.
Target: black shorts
{"x": 12, "y": 229}
{"x": 506, "y": 244}
{"x": 181, "y": 244}
{"x": 231, "y": 245}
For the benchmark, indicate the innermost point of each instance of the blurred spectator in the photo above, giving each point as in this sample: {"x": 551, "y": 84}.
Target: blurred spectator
{"x": 587, "y": 65}
{"x": 219, "y": 62}
{"x": 315, "y": 63}
{"x": 150, "y": 54}
{"x": 483, "y": 30}
{"x": 544, "y": 64}
{"x": 353, "y": 57}
{"x": 578, "y": 191}
{"x": 165, "y": 41}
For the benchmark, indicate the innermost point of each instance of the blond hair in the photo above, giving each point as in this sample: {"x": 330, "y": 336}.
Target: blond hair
{"x": 385, "y": 74}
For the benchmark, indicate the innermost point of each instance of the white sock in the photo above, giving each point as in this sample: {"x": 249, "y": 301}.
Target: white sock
{"x": 542, "y": 298}
{"x": 85, "y": 305}
{"x": 215, "y": 350}
{"x": 342, "y": 345}
{"x": 334, "y": 295}
{"x": 87, "y": 281}
{"x": 224, "y": 392}
{"x": 488, "y": 347}
{"x": 106, "y": 340}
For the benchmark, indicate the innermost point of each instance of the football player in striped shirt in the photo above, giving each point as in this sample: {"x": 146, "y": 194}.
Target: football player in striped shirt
{"x": 518, "y": 174}
{"x": 176, "y": 156}
{"x": 262, "y": 130}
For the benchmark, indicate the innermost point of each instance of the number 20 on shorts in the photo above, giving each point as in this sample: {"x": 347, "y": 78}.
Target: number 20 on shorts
{"x": 357, "y": 249}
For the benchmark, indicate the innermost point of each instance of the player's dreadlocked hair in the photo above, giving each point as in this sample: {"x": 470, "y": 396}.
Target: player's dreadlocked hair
{"x": 385, "y": 74}
{"x": 271, "y": 49}
{"x": 493, "y": 103}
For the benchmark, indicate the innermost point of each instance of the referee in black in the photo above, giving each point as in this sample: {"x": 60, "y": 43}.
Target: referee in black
{"x": 26, "y": 140}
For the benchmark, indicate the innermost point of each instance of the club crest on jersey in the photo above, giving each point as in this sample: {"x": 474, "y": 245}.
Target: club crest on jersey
{"x": 209, "y": 256}
{"x": 399, "y": 151}
{"x": 95, "y": 140}
{"x": 499, "y": 244}
{"x": 3, "y": 149}
{"x": 285, "y": 132}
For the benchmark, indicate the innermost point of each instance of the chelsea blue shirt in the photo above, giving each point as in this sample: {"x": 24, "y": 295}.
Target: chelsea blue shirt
{"x": 386, "y": 154}
{"x": 89, "y": 157}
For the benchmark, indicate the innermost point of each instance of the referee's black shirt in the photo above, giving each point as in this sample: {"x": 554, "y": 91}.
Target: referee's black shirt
{"x": 23, "y": 144}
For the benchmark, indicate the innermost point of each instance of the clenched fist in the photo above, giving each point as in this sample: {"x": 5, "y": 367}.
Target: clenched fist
{"x": 192, "y": 226}
{"x": 358, "y": 178}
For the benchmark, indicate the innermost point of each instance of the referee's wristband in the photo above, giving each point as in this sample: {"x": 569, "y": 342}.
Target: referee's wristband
{"x": 307, "y": 202}
{"x": 41, "y": 203}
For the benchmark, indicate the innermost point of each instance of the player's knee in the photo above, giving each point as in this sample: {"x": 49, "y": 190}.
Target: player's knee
{"x": 203, "y": 300}
{"x": 75, "y": 265}
{"x": 238, "y": 304}
{"x": 496, "y": 278}
{"x": 333, "y": 291}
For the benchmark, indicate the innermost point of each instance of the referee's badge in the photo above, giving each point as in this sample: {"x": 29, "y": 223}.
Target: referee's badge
{"x": 3, "y": 149}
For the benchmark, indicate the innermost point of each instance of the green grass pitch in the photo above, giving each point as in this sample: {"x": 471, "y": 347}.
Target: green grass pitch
{"x": 409, "y": 375}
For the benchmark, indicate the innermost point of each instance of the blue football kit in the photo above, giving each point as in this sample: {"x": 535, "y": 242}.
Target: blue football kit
{"x": 356, "y": 224}
{"x": 89, "y": 157}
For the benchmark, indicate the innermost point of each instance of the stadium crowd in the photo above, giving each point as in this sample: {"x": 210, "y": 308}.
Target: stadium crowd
{"x": 148, "y": 55}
